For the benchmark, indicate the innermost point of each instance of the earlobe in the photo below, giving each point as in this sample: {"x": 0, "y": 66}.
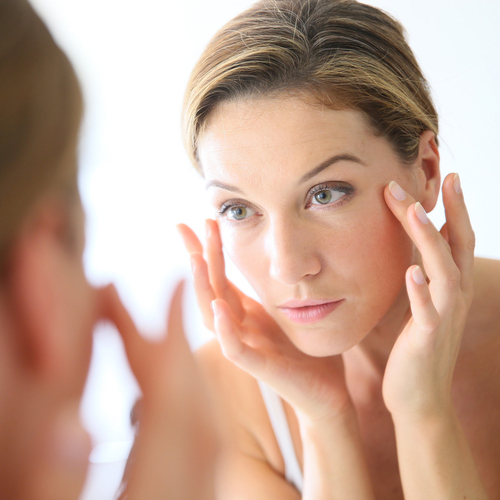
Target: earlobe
{"x": 429, "y": 165}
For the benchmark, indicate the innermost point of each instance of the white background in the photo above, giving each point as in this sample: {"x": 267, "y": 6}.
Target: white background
{"x": 134, "y": 59}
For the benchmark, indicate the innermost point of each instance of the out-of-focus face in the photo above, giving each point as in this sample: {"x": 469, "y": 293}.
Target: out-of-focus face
{"x": 298, "y": 191}
{"x": 80, "y": 307}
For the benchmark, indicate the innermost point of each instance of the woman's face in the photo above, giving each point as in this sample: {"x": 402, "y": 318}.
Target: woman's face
{"x": 298, "y": 192}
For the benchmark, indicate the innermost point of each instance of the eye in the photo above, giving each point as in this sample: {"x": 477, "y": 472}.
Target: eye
{"x": 236, "y": 212}
{"x": 327, "y": 194}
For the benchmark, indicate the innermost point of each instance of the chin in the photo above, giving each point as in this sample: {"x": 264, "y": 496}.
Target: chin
{"x": 323, "y": 341}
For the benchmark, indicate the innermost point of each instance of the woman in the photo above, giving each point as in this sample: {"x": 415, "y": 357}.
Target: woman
{"x": 48, "y": 309}
{"x": 313, "y": 127}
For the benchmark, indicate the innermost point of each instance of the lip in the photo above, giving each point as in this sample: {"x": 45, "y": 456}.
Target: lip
{"x": 308, "y": 311}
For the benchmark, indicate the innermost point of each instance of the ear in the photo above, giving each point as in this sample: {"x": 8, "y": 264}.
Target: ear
{"x": 428, "y": 164}
{"x": 36, "y": 282}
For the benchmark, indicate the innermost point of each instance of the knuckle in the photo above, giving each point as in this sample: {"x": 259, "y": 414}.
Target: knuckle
{"x": 431, "y": 324}
{"x": 453, "y": 279}
{"x": 470, "y": 243}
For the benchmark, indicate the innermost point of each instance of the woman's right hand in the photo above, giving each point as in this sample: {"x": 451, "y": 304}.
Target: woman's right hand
{"x": 252, "y": 340}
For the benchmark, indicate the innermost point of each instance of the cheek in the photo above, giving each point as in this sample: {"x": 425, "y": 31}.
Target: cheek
{"x": 364, "y": 253}
{"x": 372, "y": 261}
{"x": 246, "y": 251}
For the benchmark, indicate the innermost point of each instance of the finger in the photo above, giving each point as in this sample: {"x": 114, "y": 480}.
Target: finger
{"x": 232, "y": 346}
{"x": 438, "y": 261}
{"x": 442, "y": 271}
{"x": 460, "y": 233}
{"x": 398, "y": 200}
{"x": 423, "y": 311}
{"x": 203, "y": 289}
{"x": 189, "y": 238}
{"x": 444, "y": 232}
{"x": 222, "y": 287}
{"x": 112, "y": 309}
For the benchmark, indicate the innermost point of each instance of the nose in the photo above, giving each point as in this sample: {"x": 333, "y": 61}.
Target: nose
{"x": 293, "y": 252}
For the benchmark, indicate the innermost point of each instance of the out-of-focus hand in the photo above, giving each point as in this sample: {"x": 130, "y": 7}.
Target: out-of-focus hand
{"x": 174, "y": 453}
{"x": 417, "y": 381}
{"x": 251, "y": 339}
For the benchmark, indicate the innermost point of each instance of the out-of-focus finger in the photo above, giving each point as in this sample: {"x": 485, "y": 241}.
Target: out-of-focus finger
{"x": 460, "y": 233}
{"x": 136, "y": 347}
{"x": 232, "y": 346}
{"x": 216, "y": 267}
{"x": 191, "y": 241}
{"x": 203, "y": 289}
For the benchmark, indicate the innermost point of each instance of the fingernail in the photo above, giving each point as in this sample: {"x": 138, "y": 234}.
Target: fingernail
{"x": 397, "y": 191}
{"x": 418, "y": 275}
{"x": 193, "y": 264}
{"x": 456, "y": 184}
{"x": 208, "y": 231}
{"x": 421, "y": 214}
{"x": 215, "y": 309}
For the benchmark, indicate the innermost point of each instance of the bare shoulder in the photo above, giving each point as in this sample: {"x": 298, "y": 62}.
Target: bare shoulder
{"x": 487, "y": 281}
{"x": 235, "y": 390}
{"x": 481, "y": 341}
{"x": 239, "y": 406}
{"x": 483, "y": 325}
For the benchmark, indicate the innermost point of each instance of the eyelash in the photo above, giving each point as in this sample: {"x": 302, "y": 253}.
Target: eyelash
{"x": 334, "y": 186}
{"x": 230, "y": 204}
{"x": 340, "y": 187}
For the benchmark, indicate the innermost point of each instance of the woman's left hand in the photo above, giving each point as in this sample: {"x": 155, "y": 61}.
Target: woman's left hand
{"x": 417, "y": 381}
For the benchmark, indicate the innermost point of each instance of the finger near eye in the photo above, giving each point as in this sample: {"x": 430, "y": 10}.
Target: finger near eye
{"x": 439, "y": 264}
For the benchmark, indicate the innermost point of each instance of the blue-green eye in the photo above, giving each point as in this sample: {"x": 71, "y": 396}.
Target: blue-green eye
{"x": 238, "y": 212}
{"x": 326, "y": 196}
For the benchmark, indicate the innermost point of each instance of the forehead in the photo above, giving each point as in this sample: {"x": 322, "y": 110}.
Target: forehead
{"x": 251, "y": 136}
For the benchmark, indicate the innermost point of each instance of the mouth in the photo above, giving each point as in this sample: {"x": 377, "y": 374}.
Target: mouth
{"x": 308, "y": 311}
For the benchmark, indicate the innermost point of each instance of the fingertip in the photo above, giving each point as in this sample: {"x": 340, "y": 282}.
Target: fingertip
{"x": 396, "y": 191}
{"x": 181, "y": 230}
{"x": 189, "y": 238}
{"x": 107, "y": 299}
{"x": 417, "y": 275}
{"x": 457, "y": 185}
{"x": 452, "y": 187}
{"x": 211, "y": 228}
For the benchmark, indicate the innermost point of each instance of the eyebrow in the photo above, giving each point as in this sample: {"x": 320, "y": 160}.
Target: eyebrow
{"x": 309, "y": 175}
{"x": 328, "y": 163}
{"x": 222, "y": 185}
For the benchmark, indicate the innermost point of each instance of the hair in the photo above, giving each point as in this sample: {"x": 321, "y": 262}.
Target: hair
{"x": 40, "y": 113}
{"x": 343, "y": 53}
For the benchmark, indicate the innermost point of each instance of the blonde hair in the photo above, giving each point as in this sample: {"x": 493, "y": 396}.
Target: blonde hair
{"x": 341, "y": 52}
{"x": 40, "y": 113}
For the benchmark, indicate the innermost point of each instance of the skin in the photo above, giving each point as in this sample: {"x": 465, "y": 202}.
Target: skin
{"x": 333, "y": 260}
{"x": 48, "y": 311}
{"x": 380, "y": 368}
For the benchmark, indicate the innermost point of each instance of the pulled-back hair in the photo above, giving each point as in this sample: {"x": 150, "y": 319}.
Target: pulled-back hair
{"x": 40, "y": 112}
{"x": 343, "y": 53}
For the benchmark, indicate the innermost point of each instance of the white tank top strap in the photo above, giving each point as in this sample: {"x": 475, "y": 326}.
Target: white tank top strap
{"x": 281, "y": 429}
